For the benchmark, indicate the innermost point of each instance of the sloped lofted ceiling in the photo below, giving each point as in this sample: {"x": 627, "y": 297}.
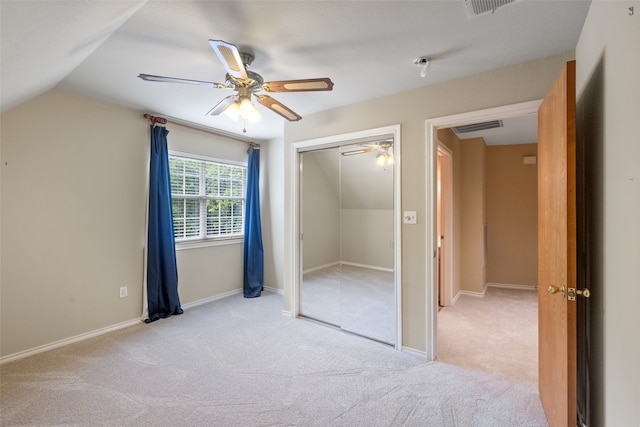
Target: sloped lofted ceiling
{"x": 357, "y": 181}
{"x": 43, "y": 42}
{"x": 97, "y": 48}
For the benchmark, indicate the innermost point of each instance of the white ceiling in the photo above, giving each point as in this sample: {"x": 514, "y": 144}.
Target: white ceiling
{"x": 97, "y": 48}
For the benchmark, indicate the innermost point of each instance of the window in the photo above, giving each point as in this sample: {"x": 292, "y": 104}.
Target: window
{"x": 207, "y": 198}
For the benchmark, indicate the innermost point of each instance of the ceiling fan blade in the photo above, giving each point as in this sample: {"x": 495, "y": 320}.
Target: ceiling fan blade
{"x": 222, "y": 105}
{"x": 279, "y": 108}
{"x": 303, "y": 85}
{"x": 230, "y": 58}
{"x": 163, "y": 79}
{"x": 355, "y": 152}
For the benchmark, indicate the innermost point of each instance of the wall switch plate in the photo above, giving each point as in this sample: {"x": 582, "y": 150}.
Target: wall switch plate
{"x": 409, "y": 217}
{"x": 123, "y": 292}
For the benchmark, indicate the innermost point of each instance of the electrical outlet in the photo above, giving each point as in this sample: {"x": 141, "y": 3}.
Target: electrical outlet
{"x": 409, "y": 217}
{"x": 123, "y": 292}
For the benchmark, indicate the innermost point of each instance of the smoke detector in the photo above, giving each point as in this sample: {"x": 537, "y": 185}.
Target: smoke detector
{"x": 424, "y": 63}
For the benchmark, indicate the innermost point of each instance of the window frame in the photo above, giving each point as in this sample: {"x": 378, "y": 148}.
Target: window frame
{"x": 200, "y": 241}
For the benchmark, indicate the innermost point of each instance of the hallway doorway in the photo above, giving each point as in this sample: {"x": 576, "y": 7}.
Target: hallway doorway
{"x": 433, "y": 239}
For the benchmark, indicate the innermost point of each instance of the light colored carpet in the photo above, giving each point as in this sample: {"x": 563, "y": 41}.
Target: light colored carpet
{"x": 240, "y": 362}
{"x": 496, "y": 334}
{"x": 356, "y": 299}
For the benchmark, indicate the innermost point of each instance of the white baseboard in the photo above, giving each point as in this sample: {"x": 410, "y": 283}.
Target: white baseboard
{"x": 473, "y": 294}
{"x": 67, "y": 341}
{"x": 274, "y": 290}
{"x": 413, "y": 352}
{"x": 353, "y": 264}
{"x": 105, "y": 330}
{"x": 211, "y": 299}
{"x": 512, "y": 286}
{"x": 492, "y": 285}
{"x": 371, "y": 267}
{"x": 455, "y": 298}
{"x": 320, "y": 267}
{"x": 286, "y": 313}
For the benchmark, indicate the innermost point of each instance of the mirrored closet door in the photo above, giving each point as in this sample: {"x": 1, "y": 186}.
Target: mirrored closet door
{"x": 347, "y": 224}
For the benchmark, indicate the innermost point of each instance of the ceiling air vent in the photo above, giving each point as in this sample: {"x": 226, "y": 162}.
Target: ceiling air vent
{"x": 478, "y": 126}
{"x": 478, "y": 7}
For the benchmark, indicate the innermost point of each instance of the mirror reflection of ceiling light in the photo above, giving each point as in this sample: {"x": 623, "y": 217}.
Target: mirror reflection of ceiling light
{"x": 384, "y": 159}
{"x": 384, "y": 156}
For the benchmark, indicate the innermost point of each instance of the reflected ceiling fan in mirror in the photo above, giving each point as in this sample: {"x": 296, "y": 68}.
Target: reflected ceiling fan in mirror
{"x": 384, "y": 148}
{"x": 247, "y": 83}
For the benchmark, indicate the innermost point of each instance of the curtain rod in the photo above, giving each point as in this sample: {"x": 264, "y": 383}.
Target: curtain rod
{"x": 162, "y": 121}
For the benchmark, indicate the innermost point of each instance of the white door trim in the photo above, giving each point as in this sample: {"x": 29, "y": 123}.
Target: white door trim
{"x": 431, "y": 165}
{"x": 367, "y": 135}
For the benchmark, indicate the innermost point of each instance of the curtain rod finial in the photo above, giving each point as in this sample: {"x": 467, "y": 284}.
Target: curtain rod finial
{"x": 154, "y": 119}
{"x": 252, "y": 146}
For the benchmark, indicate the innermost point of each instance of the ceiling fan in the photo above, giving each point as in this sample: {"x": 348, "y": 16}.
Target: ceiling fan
{"x": 384, "y": 151}
{"x": 247, "y": 83}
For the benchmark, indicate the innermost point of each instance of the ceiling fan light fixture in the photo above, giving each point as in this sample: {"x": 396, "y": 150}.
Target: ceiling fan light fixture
{"x": 384, "y": 158}
{"x": 233, "y": 111}
{"x": 248, "y": 111}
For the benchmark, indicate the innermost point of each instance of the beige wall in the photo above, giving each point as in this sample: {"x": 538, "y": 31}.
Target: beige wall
{"x": 321, "y": 215}
{"x": 473, "y": 220}
{"x": 367, "y": 237}
{"x": 512, "y": 215}
{"x": 333, "y": 234}
{"x": 510, "y": 199}
{"x": 608, "y": 108}
{"x": 73, "y": 220}
{"x": 272, "y": 209}
{"x": 509, "y": 85}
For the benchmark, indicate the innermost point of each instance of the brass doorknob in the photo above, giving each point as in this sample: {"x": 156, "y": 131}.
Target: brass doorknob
{"x": 584, "y": 292}
{"x": 554, "y": 289}
{"x": 573, "y": 292}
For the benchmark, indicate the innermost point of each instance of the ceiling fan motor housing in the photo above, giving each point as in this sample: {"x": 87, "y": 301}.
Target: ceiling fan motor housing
{"x": 247, "y": 59}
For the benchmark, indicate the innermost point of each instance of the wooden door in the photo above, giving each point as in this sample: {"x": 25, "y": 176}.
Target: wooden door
{"x": 557, "y": 250}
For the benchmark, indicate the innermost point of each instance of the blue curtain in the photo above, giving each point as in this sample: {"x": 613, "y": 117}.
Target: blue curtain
{"x": 162, "y": 272}
{"x": 253, "y": 277}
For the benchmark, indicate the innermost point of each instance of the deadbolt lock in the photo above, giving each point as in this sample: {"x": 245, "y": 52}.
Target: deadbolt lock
{"x": 572, "y": 292}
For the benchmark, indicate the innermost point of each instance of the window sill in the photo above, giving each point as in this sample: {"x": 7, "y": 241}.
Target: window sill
{"x": 196, "y": 244}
